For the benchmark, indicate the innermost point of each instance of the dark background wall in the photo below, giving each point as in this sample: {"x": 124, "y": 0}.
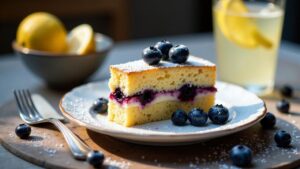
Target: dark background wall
{"x": 129, "y": 19}
{"x": 291, "y": 29}
{"x": 169, "y": 17}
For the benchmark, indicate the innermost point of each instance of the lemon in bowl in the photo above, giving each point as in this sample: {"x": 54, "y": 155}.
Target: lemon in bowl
{"x": 80, "y": 53}
{"x": 42, "y": 31}
{"x": 81, "y": 40}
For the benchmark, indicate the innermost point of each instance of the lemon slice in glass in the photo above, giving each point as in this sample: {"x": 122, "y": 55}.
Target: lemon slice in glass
{"x": 232, "y": 20}
{"x": 81, "y": 40}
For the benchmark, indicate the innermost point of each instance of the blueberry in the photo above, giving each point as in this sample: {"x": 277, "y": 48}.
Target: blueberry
{"x": 179, "y": 54}
{"x": 241, "y": 155}
{"x": 152, "y": 55}
{"x": 197, "y": 117}
{"x": 164, "y": 46}
{"x": 146, "y": 97}
{"x": 95, "y": 158}
{"x": 218, "y": 114}
{"x": 268, "y": 121}
{"x": 286, "y": 91}
{"x": 187, "y": 92}
{"x": 179, "y": 118}
{"x": 100, "y": 105}
{"x": 23, "y": 131}
{"x": 282, "y": 138}
{"x": 283, "y": 106}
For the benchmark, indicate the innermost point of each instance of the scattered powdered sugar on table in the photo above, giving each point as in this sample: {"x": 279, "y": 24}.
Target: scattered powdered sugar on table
{"x": 59, "y": 145}
{"x": 39, "y": 140}
{"x": 12, "y": 134}
{"x": 113, "y": 164}
{"x": 50, "y": 151}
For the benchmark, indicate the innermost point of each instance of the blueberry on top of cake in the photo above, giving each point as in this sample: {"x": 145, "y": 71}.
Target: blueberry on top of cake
{"x": 142, "y": 93}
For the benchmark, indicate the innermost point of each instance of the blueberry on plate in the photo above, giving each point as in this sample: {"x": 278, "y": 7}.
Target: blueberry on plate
{"x": 241, "y": 155}
{"x": 197, "y": 117}
{"x": 164, "y": 46}
{"x": 282, "y": 138}
{"x": 100, "y": 105}
{"x": 268, "y": 121}
{"x": 218, "y": 114}
{"x": 152, "y": 55}
{"x": 95, "y": 158}
{"x": 286, "y": 91}
{"x": 23, "y": 131}
{"x": 283, "y": 106}
{"x": 179, "y": 54}
{"x": 179, "y": 117}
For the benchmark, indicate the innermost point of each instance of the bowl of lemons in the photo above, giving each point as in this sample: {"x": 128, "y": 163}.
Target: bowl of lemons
{"x": 62, "y": 59}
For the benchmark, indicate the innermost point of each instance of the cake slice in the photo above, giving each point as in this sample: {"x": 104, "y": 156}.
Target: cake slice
{"x": 141, "y": 93}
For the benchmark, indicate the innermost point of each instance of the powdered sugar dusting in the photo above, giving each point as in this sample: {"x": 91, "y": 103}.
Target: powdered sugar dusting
{"x": 140, "y": 65}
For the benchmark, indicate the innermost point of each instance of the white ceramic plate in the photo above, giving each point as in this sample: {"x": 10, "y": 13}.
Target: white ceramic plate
{"x": 245, "y": 108}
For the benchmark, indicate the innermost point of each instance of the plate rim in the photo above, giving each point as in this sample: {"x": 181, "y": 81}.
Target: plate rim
{"x": 121, "y": 133}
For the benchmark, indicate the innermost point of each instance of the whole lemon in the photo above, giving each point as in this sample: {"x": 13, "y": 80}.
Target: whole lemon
{"x": 42, "y": 31}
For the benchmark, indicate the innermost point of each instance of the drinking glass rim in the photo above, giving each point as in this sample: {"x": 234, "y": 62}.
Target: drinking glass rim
{"x": 252, "y": 14}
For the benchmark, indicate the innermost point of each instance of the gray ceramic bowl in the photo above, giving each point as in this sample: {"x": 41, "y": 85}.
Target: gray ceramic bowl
{"x": 64, "y": 70}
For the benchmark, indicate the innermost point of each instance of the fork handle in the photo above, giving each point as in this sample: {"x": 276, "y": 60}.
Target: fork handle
{"x": 77, "y": 147}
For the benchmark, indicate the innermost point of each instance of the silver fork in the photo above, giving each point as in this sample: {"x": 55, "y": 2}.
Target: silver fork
{"x": 30, "y": 114}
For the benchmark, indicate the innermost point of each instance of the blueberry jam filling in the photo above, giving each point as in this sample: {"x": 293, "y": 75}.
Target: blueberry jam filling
{"x": 187, "y": 92}
{"x": 118, "y": 95}
{"x": 146, "y": 97}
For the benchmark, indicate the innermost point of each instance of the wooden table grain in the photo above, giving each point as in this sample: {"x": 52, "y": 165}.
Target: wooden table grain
{"x": 14, "y": 75}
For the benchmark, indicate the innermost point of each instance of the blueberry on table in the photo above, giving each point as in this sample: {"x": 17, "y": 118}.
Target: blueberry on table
{"x": 152, "y": 55}
{"x": 218, "y": 114}
{"x": 179, "y": 118}
{"x": 286, "y": 91}
{"x": 283, "y": 106}
{"x": 197, "y": 117}
{"x": 95, "y": 158}
{"x": 282, "y": 138}
{"x": 23, "y": 131}
{"x": 241, "y": 155}
{"x": 268, "y": 121}
{"x": 100, "y": 105}
{"x": 164, "y": 46}
{"x": 179, "y": 54}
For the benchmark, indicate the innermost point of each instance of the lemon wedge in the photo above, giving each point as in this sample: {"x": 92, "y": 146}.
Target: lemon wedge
{"x": 81, "y": 40}
{"x": 233, "y": 23}
{"x": 42, "y": 31}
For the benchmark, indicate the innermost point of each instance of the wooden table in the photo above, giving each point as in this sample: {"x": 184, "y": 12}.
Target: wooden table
{"x": 14, "y": 75}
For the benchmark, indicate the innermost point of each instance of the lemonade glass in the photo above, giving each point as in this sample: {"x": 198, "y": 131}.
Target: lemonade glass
{"x": 247, "y": 36}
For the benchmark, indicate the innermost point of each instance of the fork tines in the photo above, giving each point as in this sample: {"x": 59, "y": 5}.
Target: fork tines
{"x": 25, "y": 104}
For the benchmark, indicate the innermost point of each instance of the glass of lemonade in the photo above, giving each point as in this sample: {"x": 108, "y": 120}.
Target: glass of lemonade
{"x": 247, "y": 36}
